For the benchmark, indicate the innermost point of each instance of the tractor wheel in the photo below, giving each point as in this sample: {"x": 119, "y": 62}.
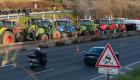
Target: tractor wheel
{"x": 20, "y": 36}
{"x": 8, "y": 37}
{"x": 44, "y": 37}
{"x": 56, "y": 35}
{"x": 83, "y": 33}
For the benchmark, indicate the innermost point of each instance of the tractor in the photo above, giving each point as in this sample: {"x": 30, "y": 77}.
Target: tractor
{"x": 65, "y": 27}
{"x": 106, "y": 25}
{"x": 11, "y": 31}
{"x": 119, "y": 24}
{"x": 37, "y": 29}
{"x": 112, "y": 25}
{"x": 86, "y": 26}
{"x": 41, "y": 29}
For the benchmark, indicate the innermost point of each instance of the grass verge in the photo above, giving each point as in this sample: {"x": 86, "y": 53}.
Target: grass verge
{"x": 132, "y": 75}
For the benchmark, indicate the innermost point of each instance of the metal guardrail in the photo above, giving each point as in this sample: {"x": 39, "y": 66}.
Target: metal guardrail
{"x": 33, "y": 14}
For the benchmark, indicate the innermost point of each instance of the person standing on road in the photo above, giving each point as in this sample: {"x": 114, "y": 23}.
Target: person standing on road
{"x": 4, "y": 57}
{"x": 9, "y": 56}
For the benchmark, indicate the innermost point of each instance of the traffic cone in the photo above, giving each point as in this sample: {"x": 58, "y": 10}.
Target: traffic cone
{"x": 77, "y": 48}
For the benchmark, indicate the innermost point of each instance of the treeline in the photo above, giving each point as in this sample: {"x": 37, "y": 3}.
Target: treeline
{"x": 116, "y": 8}
{"x": 94, "y": 8}
{"x": 42, "y": 5}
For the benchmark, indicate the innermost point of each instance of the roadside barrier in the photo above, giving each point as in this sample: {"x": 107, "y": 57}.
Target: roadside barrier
{"x": 73, "y": 40}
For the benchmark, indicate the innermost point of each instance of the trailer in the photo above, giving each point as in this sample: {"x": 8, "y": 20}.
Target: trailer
{"x": 132, "y": 25}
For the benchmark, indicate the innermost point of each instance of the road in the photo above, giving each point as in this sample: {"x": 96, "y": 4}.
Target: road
{"x": 64, "y": 63}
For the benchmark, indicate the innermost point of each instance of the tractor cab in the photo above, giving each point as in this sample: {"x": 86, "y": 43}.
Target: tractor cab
{"x": 65, "y": 25}
{"x": 118, "y": 21}
{"x": 105, "y": 24}
{"x": 86, "y": 24}
{"x": 105, "y": 21}
{"x": 10, "y": 24}
{"x": 33, "y": 21}
{"x": 37, "y": 28}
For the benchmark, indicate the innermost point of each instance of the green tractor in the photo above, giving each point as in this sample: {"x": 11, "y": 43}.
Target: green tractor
{"x": 42, "y": 29}
{"x": 37, "y": 29}
{"x": 53, "y": 31}
{"x": 86, "y": 26}
{"x": 11, "y": 31}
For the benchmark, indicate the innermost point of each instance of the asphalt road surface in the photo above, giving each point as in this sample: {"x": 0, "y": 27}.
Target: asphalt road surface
{"x": 64, "y": 63}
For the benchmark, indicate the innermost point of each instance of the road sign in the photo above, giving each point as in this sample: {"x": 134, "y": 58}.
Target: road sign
{"x": 108, "y": 58}
{"x": 108, "y": 70}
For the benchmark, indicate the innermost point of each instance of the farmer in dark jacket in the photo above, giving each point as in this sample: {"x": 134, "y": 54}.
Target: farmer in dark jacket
{"x": 42, "y": 57}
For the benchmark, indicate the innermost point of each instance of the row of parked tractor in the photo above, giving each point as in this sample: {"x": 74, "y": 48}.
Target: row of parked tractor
{"x": 44, "y": 29}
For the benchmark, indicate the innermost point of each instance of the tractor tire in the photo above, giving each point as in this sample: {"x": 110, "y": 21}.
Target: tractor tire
{"x": 56, "y": 35}
{"x": 83, "y": 33}
{"x": 8, "y": 37}
{"x": 44, "y": 37}
{"x": 20, "y": 36}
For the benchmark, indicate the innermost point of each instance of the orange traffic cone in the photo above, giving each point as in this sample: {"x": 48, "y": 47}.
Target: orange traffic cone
{"x": 77, "y": 48}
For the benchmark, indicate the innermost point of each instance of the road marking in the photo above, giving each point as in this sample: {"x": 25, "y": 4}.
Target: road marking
{"x": 79, "y": 52}
{"x": 132, "y": 64}
{"x": 122, "y": 44}
{"x": 119, "y": 71}
{"x": 129, "y": 68}
{"x": 43, "y": 71}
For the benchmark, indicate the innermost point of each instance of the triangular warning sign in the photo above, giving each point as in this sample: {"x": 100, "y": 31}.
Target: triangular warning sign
{"x": 108, "y": 58}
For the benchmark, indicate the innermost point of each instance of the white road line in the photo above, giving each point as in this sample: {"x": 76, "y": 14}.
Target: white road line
{"x": 122, "y": 44}
{"x": 132, "y": 64}
{"x": 43, "y": 71}
{"x": 119, "y": 71}
{"x": 129, "y": 68}
{"x": 79, "y": 52}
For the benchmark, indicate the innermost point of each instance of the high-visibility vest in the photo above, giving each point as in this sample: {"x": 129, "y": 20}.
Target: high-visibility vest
{"x": 122, "y": 26}
{"x": 112, "y": 26}
{"x": 103, "y": 27}
{"x": 116, "y": 26}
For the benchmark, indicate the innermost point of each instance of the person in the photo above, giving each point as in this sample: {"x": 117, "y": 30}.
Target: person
{"x": 4, "y": 57}
{"x": 9, "y": 56}
{"x": 42, "y": 57}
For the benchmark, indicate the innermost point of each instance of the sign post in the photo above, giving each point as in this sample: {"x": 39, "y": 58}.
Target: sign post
{"x": 108, "y": 62}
